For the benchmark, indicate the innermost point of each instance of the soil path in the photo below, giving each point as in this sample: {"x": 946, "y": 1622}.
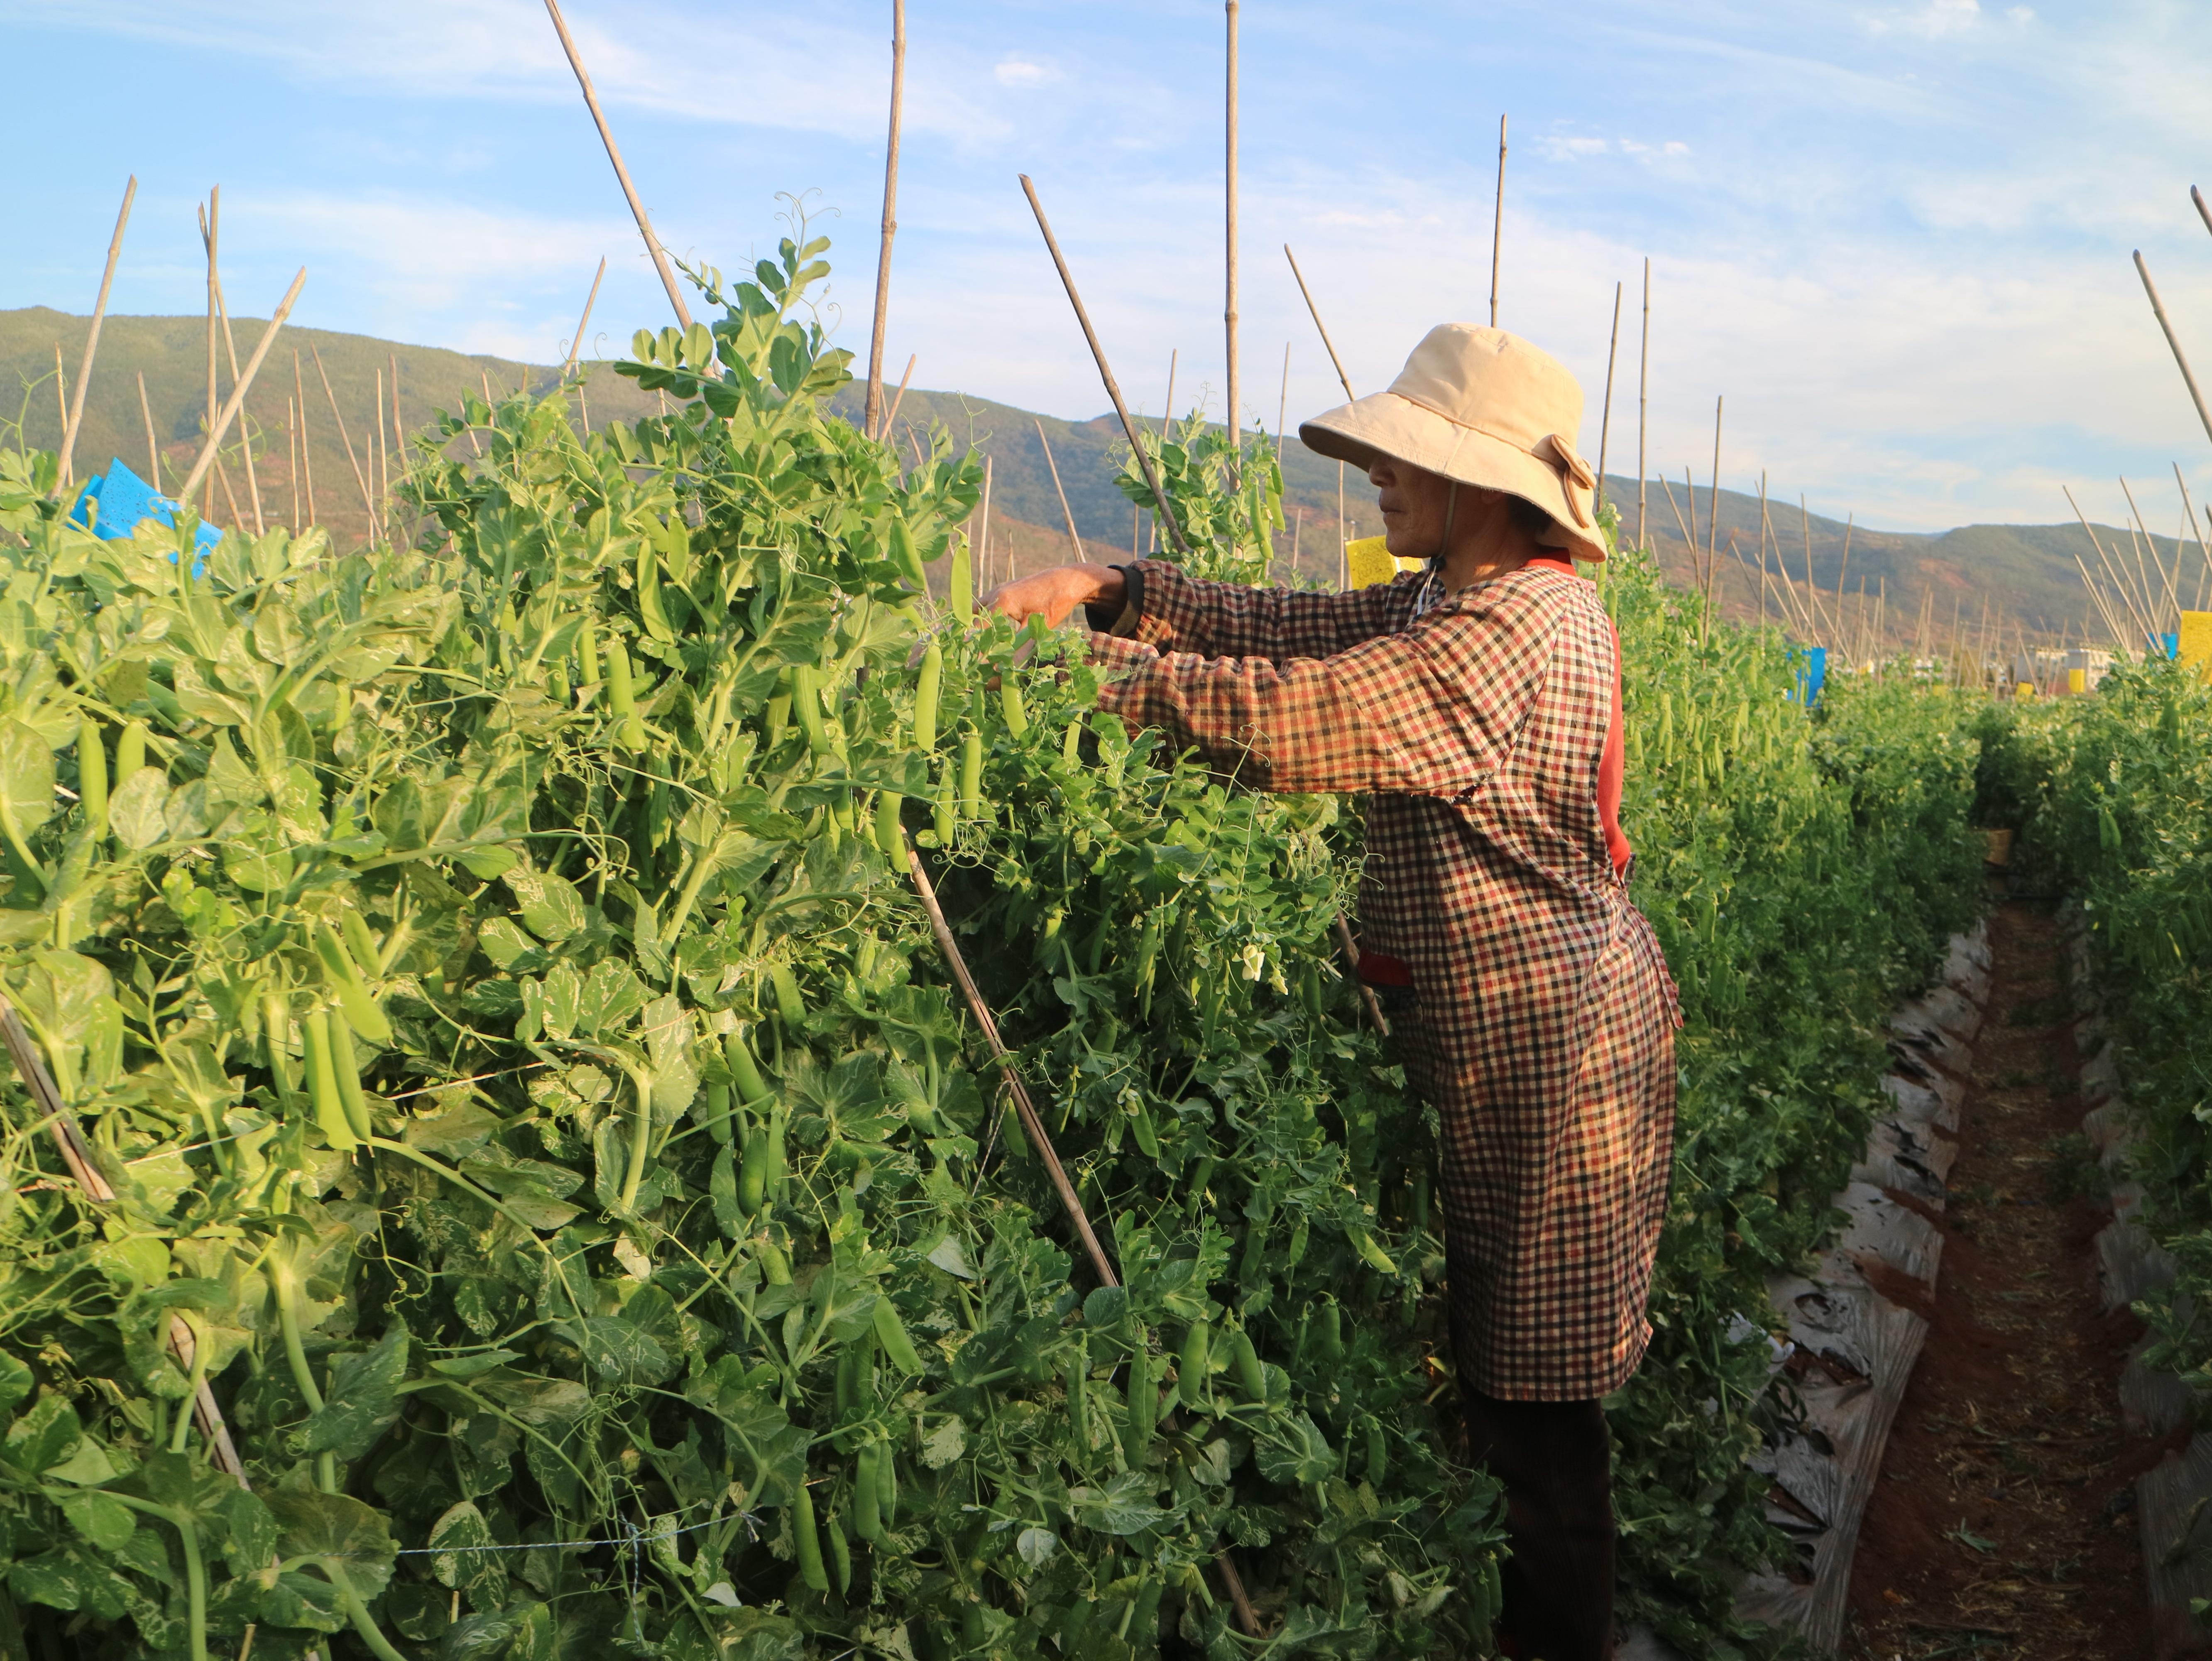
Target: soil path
{"x": 2003, "y": 1525}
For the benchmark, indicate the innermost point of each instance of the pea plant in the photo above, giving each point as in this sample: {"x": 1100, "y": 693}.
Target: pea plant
{"x": 488, "y": 977}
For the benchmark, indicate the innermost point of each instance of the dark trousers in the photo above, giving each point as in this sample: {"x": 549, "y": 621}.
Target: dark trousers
{"x": 1555, "y": 1461}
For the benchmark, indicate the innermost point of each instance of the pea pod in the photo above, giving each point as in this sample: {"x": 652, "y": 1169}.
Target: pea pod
{"x": 360, "y": 942}
{"x": 946, "y": 823}
{"x": 275, "y": 1037}
{"x": 751, "y": 1087}
{"x": 887, "y": 1487}
{"x": 588, "y": 649}
{"x": 92, "y": 775}
{"x": 1378, "y": 1452}
{"x": 1328, "y": 1335}
{"x": 1370, "y": 1254}
{"x": 807, "y": 1543}
{"x": 775, "y": 1268}
{"x": 323, "y": 1083}
{"x": 1190, "y": 1371}
{"x": 841, "y": 1556}
{"x": 352, "y": 991}
{"x": 1296, "y": 1249}
{"x": 1011, "y": 705}
{"x": 806, "y": 704}
{"x": 867, "y": 1497}
{"x": 1144, "y": 1405}
{"x": 621, "y": 695}
{"x": 927, "y": 685}
{"x": 752, "y": 1176}
{"x": 789, "y": 1006}
{"x": 888, "y": 836}
{"x": 1070, "y": 742}
{"x": 1078, "y": 1391}
{"x": 1148, "y": 1138}
{"x": 130, "y": 752}
{"x": 960, "y": 590}
{"x": 718, "y": 1113}
{"x": 1251, "y": 1376}
{"x": 892, "y": 1333}
{"x": 347, "y": 1067}
{"x": 971, "y": 773}
{"x": 775, "y": 1168}
{"x": 906, "y": 556}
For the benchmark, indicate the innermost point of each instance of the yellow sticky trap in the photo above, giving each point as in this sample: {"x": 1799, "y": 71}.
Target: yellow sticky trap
{"x": 1368, "y": 561}
{"x": 2196, "y": 641}
{"x": 2077, "y": 680}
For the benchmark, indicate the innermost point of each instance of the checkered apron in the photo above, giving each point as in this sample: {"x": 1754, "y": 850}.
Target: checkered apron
{"x": 1543, "y": 1017}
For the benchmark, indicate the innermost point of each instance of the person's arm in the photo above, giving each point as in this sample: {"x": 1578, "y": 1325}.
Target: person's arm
{"x": 1153, "y": 601}
{"x": 1431, "y": 711}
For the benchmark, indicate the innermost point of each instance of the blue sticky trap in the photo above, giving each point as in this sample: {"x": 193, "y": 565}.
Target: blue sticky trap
{"x": 2167, "y": 646}
{"x": 126, "y": 500}
{"x": 1812, "y": 678}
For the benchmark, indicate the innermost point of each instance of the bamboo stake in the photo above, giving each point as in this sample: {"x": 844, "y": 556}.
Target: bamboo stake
{"x": 2120, "y": 586}
{"x": 2196, "y": 530}
{"x": 912, "y": 358}
{"x": 629, "y": 190}
{"x": 1064, "y": 509}
{"x": 307, "y": 455}
{"x": 1031, "y": 1124}
{"x": 210, "y": 226}
{"x": 1167, "y": 418}
{"x": 1689, "y": 538}
{"x": 1605, "y": 421}
{"x": 2203, "y": 211}
{"x": 153, "y": 446}
{"x": 359, "y": 477}
{"x": 1643, "y": 395}
{"x": 1106, "y": 373}
{"x": 1697, "y": 553}
{"x": 379, "y": 468}
{"x": 292, "y": 458}
{"x": 1236, "y": 412}
{"x": 76, "y": 1154}
{"x": 230, "y": 350}
{"x": 76, "y": 417}
{"x": 238, "y": 392}
{"x": 2172, "y": 599}
{"x": 1845, "y": 568}
{"x": 1322, "y": 328}
{"x": 1282, "y": 404}
{"x": 2180, "y": 358}
{"x": 399, "y": 435}
{"x": 1812, "y": 588}
{"x": 585, "y": 321}
{"x": 1498, "y": 222}
{"x": 1713, "y": 506}
{"x": 872, "y": 420}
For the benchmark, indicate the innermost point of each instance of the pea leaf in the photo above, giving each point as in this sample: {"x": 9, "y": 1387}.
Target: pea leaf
{"x": 336, "y": 1527}
{"x": 361, "y": 1404}
{"x": 26, "y": 775}
{"x": 101, "y": 1518}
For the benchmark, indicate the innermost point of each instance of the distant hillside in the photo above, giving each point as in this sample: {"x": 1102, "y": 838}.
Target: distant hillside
{"x": 2024, "y": 574}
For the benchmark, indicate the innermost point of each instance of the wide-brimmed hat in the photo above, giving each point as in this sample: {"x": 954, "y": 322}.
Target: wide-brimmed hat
{"x": 1485, "y": 408}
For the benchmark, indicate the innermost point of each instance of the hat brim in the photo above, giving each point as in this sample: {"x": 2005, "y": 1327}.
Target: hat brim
{"x": 1390, "y": 424}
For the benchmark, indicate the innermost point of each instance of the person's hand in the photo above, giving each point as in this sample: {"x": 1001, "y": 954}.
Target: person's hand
{"x": 1053, "y": 594}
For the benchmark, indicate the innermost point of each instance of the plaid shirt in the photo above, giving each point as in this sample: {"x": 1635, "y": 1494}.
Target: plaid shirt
{"x": 1542, "y": 1029}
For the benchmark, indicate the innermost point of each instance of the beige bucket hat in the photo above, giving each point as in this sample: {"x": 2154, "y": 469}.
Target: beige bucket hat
{"x": 1485, "y": 408}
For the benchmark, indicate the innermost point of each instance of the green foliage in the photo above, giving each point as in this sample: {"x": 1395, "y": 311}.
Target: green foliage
{"x": 2112, "y": 798}
{"x": 550, "y": 1111}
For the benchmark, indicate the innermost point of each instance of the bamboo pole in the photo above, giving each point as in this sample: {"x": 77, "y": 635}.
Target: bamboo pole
{"x": 1498, "y": 222}
{"x": 1697, "y": 553}
{"x": 1282, "y": 404}
{"x": 1713, "y": 506}
{"x": 238, "y": 392}
{"x": 1689, "y": 537}
{"x": 1643, "y": 395}
{"x": 2173, "y": 599}
{"x": 1843, "y": 569}
{"x": 1073, "y": 537}
{"x": 306, "y": 455}
{"x": 76, "y": 417}
{"x": 153, "y": 446}
{"x": 2111, "y": 575}
{"x": 983, "y": 547}
{"x": 292, "y": 457}
{"x": 2187, "y": 508}
{"x": 2204, "y": 212}
{"x": 399, "y": 436}
{"x": 380, "y": 466}
{"x": 892, "y": 415}
{"x": 1812, "y": 588}
{"x": 1605, "y": 421}
{"x": 1106, "y": 373}
{"x": 872, "y": 420}
{"x": 1320, "y": 327}
{"x": 61, "y": 391}
{"x": 1236, "y": 412}
{"x": 360, "y": 479}
{"x": 585, "y": 321}
{"x": 210, "y": 226}
{"x": 622, "y": 173}
{"x": 245, "y": 441}
{"x": 2180, "y": 358}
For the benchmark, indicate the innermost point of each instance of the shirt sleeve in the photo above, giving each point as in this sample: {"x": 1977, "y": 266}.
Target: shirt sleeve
{"x": 1433, "y": 710}
{"x": 1175, "y": 612}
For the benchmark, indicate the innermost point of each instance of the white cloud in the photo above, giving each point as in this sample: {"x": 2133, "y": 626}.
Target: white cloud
{"x": 1932, "y": 21}
{"x": 1559, "y": 148}
{"x": 1017, "y": 71}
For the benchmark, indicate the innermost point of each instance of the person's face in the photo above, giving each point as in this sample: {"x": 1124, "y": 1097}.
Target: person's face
{"x": 1414, "y": 503}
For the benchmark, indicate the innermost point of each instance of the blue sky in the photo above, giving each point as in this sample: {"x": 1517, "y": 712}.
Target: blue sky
{"x": 1896, "y": 236}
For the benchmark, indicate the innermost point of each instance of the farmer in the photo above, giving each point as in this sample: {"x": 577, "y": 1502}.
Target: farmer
{"x": 1478, "y": 703}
